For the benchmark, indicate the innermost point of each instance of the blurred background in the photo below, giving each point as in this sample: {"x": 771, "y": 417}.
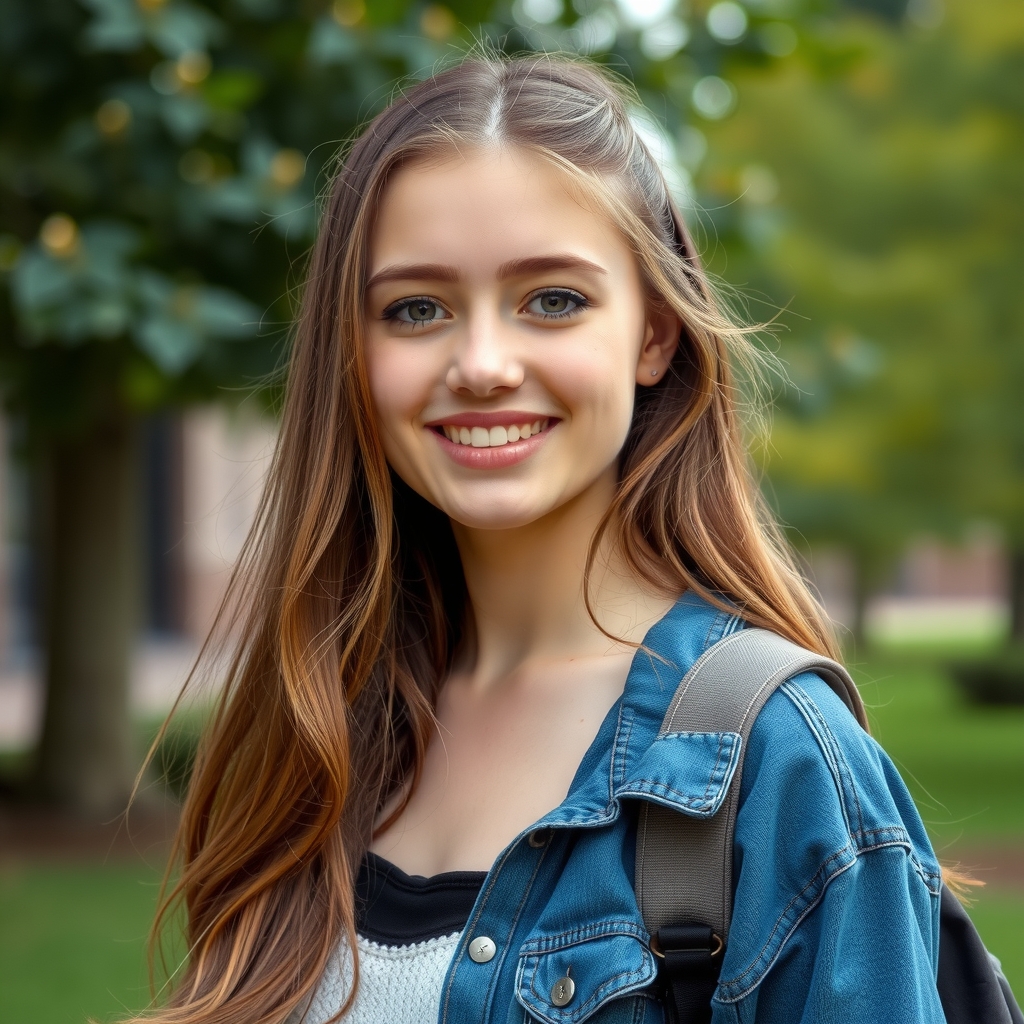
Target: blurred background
{"x": 854, "y": 173}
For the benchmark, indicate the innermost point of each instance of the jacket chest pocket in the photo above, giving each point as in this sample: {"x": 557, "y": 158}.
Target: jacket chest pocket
{"x": 569, "y": 978}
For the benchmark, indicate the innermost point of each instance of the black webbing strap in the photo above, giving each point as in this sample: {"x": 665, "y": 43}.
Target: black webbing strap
{"x": 691, "y": 958}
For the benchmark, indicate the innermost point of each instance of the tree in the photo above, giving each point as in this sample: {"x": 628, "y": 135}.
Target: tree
{"x": 871, "y": 184}
{"x": 159, "y": 163}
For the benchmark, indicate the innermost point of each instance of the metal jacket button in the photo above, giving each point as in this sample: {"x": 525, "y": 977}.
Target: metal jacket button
{"x": 562, "y": 991}
{"x": 540, "y": 838}
{"x": 482, "y": 949}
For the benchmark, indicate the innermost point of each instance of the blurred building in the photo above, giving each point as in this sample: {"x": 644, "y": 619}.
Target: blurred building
{"x": 202, "y": 476}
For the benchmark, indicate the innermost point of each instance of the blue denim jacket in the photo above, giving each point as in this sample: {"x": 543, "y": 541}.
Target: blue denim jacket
{"x": 836, "y": 911}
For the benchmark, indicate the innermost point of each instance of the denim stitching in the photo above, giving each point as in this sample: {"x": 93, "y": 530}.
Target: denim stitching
{"x": 823, "y": 737}
{"x": 510, "y": 929}
{"x": 718, "y": 625}
{"x": 840, "y": 758}
{"x": 583, "y": 933}
{"x": 620, "y": 750}
{"x": 848, "y": 787}
{"x": 819, "y": 881}
{"x": 648, "y": 787}
{"x": 800, "y": 700}
{"x": 760, "y": 974}
{"x": 584, "y": 1008}
{"x": 715, "y": 779}
{"x": 897, "y": 836}
{"x": 728, "y": 751}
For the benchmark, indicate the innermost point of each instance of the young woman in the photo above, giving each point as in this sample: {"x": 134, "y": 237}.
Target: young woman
{"x": 511, "y": 455}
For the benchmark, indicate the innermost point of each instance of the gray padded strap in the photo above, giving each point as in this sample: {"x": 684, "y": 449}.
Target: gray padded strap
{"x": 684, "y": 864}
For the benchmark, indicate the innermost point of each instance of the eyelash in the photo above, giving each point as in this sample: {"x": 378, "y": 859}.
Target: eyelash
{"x": 580, "y": 303}
{"x": 392, "y": 311}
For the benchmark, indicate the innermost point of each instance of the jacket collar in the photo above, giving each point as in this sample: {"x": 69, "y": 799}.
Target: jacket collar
{"x": 690, "y": 772}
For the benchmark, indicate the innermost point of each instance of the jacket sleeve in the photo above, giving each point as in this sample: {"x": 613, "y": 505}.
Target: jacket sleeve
{"x": 837, "y": 890}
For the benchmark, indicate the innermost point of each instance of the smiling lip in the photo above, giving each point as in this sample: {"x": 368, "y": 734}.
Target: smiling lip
{"x": 502, "y": 418}
{"x": 500, "y": 456}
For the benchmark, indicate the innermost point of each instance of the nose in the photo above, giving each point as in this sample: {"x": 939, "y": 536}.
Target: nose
{"x": 485, "y": 360}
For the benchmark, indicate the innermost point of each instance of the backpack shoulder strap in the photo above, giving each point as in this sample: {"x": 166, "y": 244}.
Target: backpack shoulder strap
{"x": 684, "y": 864}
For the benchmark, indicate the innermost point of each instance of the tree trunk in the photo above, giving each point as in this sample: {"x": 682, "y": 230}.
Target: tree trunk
{"x": 861, "y": 593}
{"x": 91, "y": 539}
{"x": 1017, "y": 595}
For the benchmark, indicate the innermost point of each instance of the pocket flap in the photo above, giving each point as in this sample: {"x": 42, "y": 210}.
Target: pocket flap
{"x": 601, "y": 966}
{"x": 687, "y": 771}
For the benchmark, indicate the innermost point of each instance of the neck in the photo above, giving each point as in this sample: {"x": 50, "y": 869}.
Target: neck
{"x": 526, "y": 590}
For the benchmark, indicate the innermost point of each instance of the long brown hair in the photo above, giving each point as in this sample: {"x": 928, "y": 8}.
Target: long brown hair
{"x": 348, "y": 601}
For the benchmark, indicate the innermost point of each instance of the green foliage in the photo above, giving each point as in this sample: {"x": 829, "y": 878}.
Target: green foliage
{"x": 159, "y": 164}
{"x": 872, "y": 186}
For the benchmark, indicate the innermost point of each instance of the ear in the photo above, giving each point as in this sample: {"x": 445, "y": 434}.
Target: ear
{"x": 661, "y": 339}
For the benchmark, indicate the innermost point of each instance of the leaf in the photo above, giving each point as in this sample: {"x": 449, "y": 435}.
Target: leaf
{"x": 225, "y": 314}
{"x": 181, "y": 319}
{"x": 330, "y": 44}
{"x": 38, "y": 281}
{"x": 110, "y": 242}
{"x": 108, "y": 318}
{"x": 233, "y": 89}
{"x": 237, "y": 200}
{"x": 154, "y": 289}
{"x": 185, "y": 117}
{"x": 172, "y": 344}
{"x": 118, "y": 26}
{"x": 179, "y": 27}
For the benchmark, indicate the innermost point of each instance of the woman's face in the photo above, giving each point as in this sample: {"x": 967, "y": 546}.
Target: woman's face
{"x": 506, "y": 328}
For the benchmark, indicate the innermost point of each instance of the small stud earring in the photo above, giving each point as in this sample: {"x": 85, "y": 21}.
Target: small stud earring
{"x": 654, "y": 373}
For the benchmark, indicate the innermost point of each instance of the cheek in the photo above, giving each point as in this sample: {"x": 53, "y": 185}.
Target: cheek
{"x": 400, "y": 381}
{"x": 597, "y": 381}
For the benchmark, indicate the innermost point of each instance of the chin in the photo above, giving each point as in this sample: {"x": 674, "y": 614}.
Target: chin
{"x": 497, "y": 514}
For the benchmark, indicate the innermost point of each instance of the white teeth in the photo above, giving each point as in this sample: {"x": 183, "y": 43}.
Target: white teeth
{"x": 481, "y": 437}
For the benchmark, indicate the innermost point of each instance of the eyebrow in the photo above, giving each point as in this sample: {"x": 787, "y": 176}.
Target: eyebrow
{"x": 512, "y": 268}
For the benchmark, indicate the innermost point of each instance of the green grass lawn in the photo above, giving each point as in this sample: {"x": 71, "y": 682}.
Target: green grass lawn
{"x": 963, "y": 763}
{"x": 72, "y": 937}
{"x": 999, "y": 916}
{"x": 72, "y": 941}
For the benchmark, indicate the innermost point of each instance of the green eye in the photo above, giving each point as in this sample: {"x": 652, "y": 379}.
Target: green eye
{"x": 556, "y": 302}
{"x": 420, "y": 310}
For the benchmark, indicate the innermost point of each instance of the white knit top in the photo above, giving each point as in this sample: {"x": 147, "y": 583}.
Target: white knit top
{"x": 408, "y": 930}
{"x": 397, "y": 984}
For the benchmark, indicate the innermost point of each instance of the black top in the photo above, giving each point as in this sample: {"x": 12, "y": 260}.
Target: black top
{"x": 396, "y": 909}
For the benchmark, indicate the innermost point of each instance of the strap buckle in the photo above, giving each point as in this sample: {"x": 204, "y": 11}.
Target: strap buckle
{"x": 686, "y": 938}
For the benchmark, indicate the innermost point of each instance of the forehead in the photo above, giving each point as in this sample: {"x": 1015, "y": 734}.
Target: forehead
{"x": 480, "y": 208}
